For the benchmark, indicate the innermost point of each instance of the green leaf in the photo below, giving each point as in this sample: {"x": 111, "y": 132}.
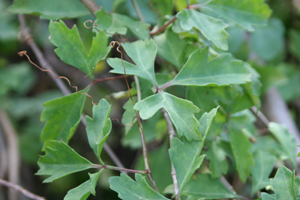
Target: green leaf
{"x": 155, "y": 127}
{"x": 184, "y": 165}
{"x": 162, "y": 8}
{"x": 264, "y": 163}
{"x": 244, "y": 13}
{"x": 83, "y": 191}
{"x": 218, "y": 164}
{"x": 294, "y": 43}
{"x": 268, "y": 42}
{"x": 116, "y": 23}
{"x": 129, "y": 189}
{"x": 159, "y": 157}
{"x": 240, "y": 145}
{"x": 203, "y": 186}
{"x": 288, "y": 88}
{"x": 129, "y": 116}
{"x": 143, "y": 54}
{"x": 198, "y": 71}
{"x": 49, "y": 9}
{"x": 286, "y": 139}
{"x": 60, "y": 160}
{"x": 283, "y": 184}
{"x": 172, "y": 48}
{"x": 180, "y": 111}
{"x": 99, "y": 127}
{"x": 63, "y": 116}
{"x": 213, "y": 29}
{"x": 71, "y": 50}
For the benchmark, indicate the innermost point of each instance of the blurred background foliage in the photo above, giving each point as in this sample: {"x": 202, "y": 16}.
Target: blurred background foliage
{"x": 273, "y": 50}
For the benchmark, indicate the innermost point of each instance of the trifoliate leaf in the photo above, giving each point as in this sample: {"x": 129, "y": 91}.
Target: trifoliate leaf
{"x": 184, "y": 165}
{"x": 244, "y": 13}
{"x": 99, "y": 127}
{"x": 240, "y": 145}
{"x": 264, "y": 163}
{"x": 63, "y": 116}
{"x": 283, "y": 184}
{"x": 116, "y": 23}
{"x": 198, "y": 71}
{"x": 213, "y": 29}
{"x": 83, "y": 191}
{"x": 71, "y": 50}
{"x": 203, "y": 186}
{"x": 60, "y": 160}
{"x": 143, "y": 54}
{"x": 49, "y": 9}
{"x": 129, "y": 189}
{"x": 286, "y": 139}
{"x": 180, "y": 111}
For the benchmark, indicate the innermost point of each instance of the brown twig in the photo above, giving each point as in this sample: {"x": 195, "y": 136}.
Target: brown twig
{"x": 91, "y": 5}
{"x": 171, "y": 136}
{"x": 163, "y": 27}
{"x": 138, "y": 11}
{"x": 45, "y": 65}
{"x": 143, "y": 140}
{"x": 120, "y": 169}
{"x": 107, "y": 79}
{"x": 13, "y": 152}
{"x": 21, "y": 189}
{"x": 260, "y": 115}
{"x": 3, "y": 156}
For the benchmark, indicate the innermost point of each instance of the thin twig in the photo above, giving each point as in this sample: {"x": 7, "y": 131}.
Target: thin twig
{"x": 138, "y": 11}
{"x": 3, "y": 156}
{"x": 39, "y": 55}
{"x": 120, "y": 169}
{"x": 107, "y": 79}
{"x": 13, "y": 152}
{"x": 163, "y": 27}
{"x": 171, "y": 136}
{"x": 91, "y": 5}
{"x": 21, "y": 189}
{"x": 260, "y": 115}
{"x": 143, "y": 140}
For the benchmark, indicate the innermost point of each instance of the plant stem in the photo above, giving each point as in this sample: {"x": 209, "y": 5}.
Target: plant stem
{"x": 20, "y": 189}
{"x": 163, "y": 27}
{"x": 143, "y": 140}
{"x": 120, "y": 169}
{"x": 138, "y": 11}
{"x": 174, "y": 18}
{"x": 260, "y": 115}
{"x": 106, "y": 79}
{"x": 13, "y": 152}
{"x": 91, "y": 5}
{"x": 171, "y": 136}
{"x": 168, "y": 84}
{"x": 39, "y": 55}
